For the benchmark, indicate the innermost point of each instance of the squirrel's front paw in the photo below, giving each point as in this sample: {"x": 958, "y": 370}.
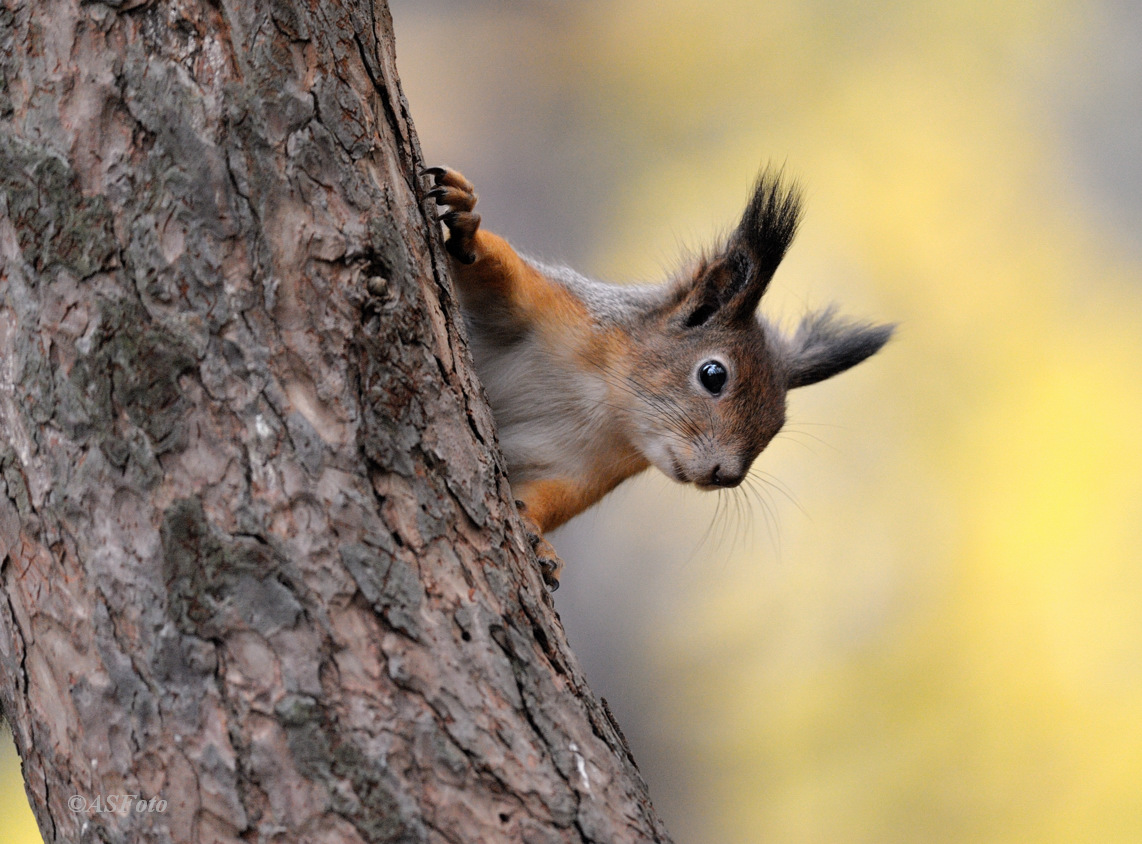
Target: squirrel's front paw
{"x": 550, "y": 566}
{"x": 456, "y": 192}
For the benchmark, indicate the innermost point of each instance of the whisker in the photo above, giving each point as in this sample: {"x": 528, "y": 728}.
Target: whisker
{"x": 793, "y": 433}
{"x": 833, "y": 425}
{"x": 745, "y": 523}
{"x": 761, "y": 495}
{"x": 774, "y": 483}
{"x": 717, "y": 517}
{"x": 663, "y": 404}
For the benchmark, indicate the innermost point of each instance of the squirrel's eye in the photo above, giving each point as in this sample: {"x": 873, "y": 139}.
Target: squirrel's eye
{"x": 713, "y": 376}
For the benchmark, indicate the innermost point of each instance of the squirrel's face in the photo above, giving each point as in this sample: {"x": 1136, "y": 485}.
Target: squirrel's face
{"x": 709, "y": 375}
{"x": 707, "y": 403}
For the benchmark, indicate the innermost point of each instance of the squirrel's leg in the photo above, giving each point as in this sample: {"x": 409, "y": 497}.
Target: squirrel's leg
{"x": 485, "y": 266}
{"x": 551, "y": 502}
{"x": 550, "y": 566}
{"x": 547, "y": 504}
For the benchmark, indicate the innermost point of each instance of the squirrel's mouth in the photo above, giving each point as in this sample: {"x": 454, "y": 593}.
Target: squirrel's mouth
{"x": 676, "y": 472}
{"x": 679, "y": 474}
{"x": 711, "y": 483}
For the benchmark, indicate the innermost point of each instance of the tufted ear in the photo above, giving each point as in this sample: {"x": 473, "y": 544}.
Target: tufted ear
{"x": 825, "y": 345}
{"x": 728, "y": 287}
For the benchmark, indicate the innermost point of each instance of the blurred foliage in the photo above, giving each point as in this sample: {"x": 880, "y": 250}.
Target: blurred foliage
{"x": 923, "y": 622}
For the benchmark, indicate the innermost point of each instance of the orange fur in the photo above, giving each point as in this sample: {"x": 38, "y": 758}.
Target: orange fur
{"x": 500, "y": 272}
{"x": 550, "y": 503}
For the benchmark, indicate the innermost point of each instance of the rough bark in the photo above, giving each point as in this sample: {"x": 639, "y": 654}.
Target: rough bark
{"x": 259, "y": 557}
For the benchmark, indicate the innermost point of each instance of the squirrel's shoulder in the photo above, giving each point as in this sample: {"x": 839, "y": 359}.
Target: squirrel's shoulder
{"x": 620, "y": 304}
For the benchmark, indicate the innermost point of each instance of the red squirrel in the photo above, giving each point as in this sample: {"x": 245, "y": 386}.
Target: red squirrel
{"x": 591, "y": 383}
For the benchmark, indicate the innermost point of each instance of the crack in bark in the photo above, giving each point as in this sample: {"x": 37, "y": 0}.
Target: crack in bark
{"x": 408, "y": 166}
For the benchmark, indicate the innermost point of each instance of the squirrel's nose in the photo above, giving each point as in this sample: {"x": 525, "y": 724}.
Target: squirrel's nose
{"x": 724, "y": 477}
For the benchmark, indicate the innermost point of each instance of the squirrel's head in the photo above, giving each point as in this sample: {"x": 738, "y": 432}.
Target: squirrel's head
{"x": 711, "y": 379}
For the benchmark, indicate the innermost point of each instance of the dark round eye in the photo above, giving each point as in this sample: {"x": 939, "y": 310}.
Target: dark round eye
{"x": 713, "y": 376}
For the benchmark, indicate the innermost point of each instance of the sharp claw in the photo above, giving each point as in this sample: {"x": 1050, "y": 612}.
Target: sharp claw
{"x": 439, "y": 190}
{"x": 433, "y": 171}
{"x": 547, "y": 570}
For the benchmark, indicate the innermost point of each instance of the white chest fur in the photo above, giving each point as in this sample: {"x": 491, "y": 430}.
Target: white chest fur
{"x": 554, "y": 419}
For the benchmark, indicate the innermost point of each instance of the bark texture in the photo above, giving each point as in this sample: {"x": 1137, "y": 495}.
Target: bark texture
{"x": 259, "y": 558}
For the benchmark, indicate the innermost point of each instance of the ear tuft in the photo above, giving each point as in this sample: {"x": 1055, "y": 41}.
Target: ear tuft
{"x": 761, "y": 240}
{"x": 729, "y": 285}
{"x": 826, "y": 345}
{"x": 770, "y": 221}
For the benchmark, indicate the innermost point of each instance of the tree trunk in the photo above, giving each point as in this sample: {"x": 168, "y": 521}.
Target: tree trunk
{"x": 260, "y": 560}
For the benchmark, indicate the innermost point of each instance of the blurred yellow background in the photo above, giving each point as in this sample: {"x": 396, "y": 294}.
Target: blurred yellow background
{"x": 926, "y": 625}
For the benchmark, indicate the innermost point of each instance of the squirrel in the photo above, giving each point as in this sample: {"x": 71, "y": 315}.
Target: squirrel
{"x": 591, "y": 383}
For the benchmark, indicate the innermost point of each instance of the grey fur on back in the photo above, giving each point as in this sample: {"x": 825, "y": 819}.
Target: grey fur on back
{"x": 620, "y": 304}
